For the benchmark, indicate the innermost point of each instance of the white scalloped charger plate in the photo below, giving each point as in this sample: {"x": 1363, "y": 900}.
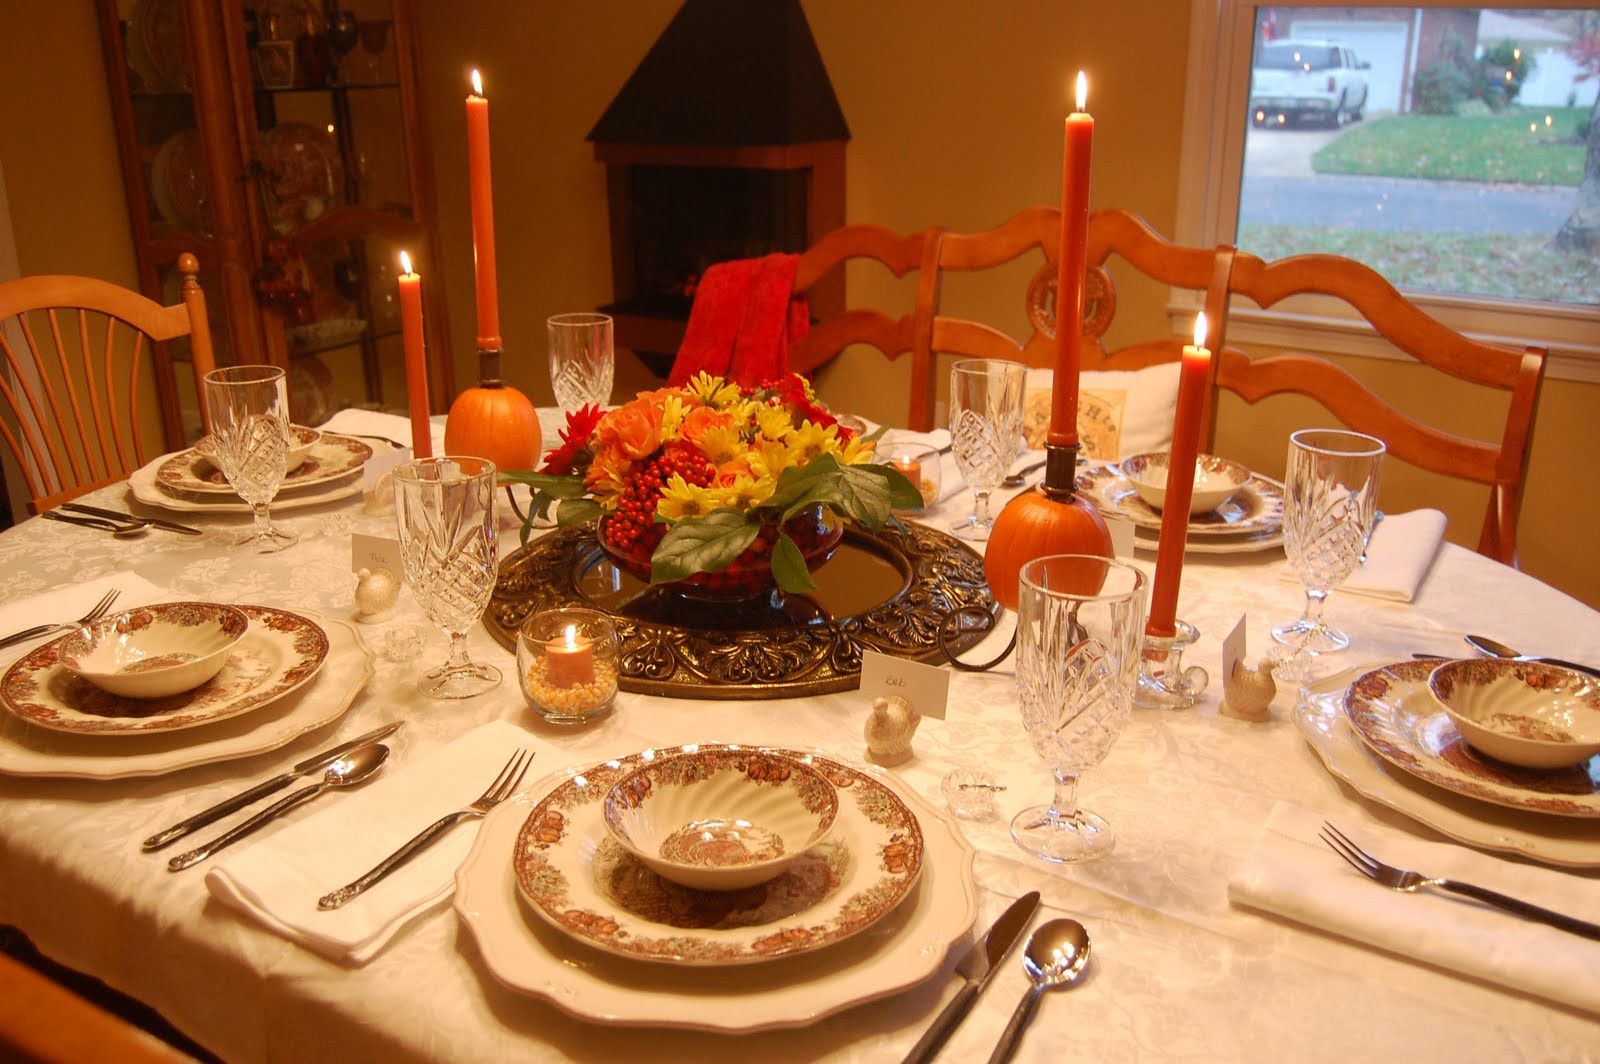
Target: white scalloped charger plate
{"x": 26, "y": 750}
{"x": 1563, "y": 841}
{"x": 1256, "y": 510}
{"x": 147, "y": 489}
{"x": 528, "y": 955}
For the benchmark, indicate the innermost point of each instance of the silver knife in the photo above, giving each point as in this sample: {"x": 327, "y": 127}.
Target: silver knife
{"x": 154, "y": 522}
{"x": 311, "y": 764}
{"x": 978, "y": 966}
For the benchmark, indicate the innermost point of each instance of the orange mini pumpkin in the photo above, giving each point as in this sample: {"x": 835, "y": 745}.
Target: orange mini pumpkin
{"x": 497, "y": 422}
{"x": 1034, "y": 524}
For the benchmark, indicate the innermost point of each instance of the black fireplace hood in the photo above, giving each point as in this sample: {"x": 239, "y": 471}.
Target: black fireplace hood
{"x": 728, "y": 72}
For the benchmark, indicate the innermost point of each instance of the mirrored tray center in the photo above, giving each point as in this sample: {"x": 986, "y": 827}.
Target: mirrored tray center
{"x": 886, "y": 591}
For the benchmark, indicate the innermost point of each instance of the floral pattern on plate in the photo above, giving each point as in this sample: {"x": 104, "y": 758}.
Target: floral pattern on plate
{"x": 530, "y": 956}
{"x": 1396, "y": 715}
{"x": 583, "y": 882}
{"x": 1256, "y": 509}
{"x": 1566, "y": 842}
{"x": 280, "y": 652}
{"x": 334, "y": 456}
{"x": 35, "y": 752}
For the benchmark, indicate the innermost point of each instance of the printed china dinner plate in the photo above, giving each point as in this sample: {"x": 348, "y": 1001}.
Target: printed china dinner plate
{"x": 525, "y": 953}
{"x": 1255, "y": 510}
{"x": 334, "y": 456}
{"x": 1396, "y": 715}
{"x": 280, "y": 652}
{"x": 35, "y": 752}
{"x": 1568, "y": 842}
{"x": 586, "y": 884}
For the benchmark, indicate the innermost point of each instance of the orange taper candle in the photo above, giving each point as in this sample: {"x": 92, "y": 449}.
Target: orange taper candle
{"x": 482, "y": 188}
{"x": 1186, "y": 428}
{"x": 1070, "y": 262}
{"x": 416, "y": 358}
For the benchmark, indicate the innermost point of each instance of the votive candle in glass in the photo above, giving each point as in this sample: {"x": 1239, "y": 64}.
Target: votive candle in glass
{"x": 567, "y": 664}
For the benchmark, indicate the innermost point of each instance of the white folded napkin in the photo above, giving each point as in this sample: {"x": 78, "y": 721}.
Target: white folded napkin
{"x": 277, "y": 878}
{"x": 71, "y": 602}
{"x": 375, "y": 423}
{"x": 1291, "y": 872}
{"x": 1399, "y": 556}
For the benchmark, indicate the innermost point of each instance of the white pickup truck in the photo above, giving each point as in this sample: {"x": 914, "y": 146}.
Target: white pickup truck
{"x": 1319, "y": 81}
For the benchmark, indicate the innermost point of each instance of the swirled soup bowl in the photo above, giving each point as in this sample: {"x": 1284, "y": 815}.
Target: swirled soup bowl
{"x": 155, "y": 651}
{"x": 1216, "y": 479}
{"x": 721, "y": 819}
{"x": 1521, "y": 712}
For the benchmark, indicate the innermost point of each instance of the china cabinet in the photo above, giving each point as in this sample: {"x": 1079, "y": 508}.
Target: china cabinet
{"x": 282, "y": 142}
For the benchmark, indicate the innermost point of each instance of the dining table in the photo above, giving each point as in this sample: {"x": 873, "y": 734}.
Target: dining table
{"x": 1184, "y": 964}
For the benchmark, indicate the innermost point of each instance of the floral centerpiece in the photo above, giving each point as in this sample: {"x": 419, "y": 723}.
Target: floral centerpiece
{"x": 715, "y": 484}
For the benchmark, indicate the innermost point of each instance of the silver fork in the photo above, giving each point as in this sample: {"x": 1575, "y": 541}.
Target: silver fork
{"x": 37, "y": 630}
{"x": 504, "y": 785}
{"x": 1408, "y": 881}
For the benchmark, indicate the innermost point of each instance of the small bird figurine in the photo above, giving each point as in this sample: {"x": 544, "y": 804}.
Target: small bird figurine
{"x": 1247, "y": 693}
{"x": 380, "y": 500}
{"x": 889, "y": 730}
{"x": 376, "y": 592}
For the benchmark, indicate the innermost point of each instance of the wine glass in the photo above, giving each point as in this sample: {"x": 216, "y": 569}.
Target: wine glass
{"x": 343, "y": 32}
{"x": 1080, "y": 618}
{"x": 249, "y": 416}
{"x": 985, "y": 431}
{"x": 1330, "y": 490}
{"x": 582, "y": 359}
{"x": 444, "y": 512}
{"x": 374, "y": 35}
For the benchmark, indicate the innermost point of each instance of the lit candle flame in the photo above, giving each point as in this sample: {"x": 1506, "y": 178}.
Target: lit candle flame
{"x": 572, "y": 637}
{"x": 1200, "y": 329}
{"x": 405, "y": 264}
{"x": 477, "y": 83}
{"x": 1083, "y": 91}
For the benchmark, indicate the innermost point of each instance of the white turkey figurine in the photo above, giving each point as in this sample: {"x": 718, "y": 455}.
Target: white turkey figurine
{"x": 1247, "y": 694}
{"x": 889, "y": 730}
{"x": 380, "y": 500}
{"x": 376, "y": 592}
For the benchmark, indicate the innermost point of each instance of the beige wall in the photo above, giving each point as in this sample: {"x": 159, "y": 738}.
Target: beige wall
{"x": 955, "y": 112}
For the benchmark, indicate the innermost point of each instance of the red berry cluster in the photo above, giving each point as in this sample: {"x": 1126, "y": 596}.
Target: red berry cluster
{"x": 632, "y": 529}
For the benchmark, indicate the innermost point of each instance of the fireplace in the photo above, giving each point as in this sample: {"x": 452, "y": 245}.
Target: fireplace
{"x": 726, "y": 142}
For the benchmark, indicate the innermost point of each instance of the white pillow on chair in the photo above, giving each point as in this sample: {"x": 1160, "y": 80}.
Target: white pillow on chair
{"x": 1120, "y": 412}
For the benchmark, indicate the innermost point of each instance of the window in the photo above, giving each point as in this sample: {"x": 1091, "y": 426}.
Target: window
{"x": 1443, "y": 145}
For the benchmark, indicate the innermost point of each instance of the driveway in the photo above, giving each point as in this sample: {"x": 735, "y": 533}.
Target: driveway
{"x": 1280, "y": 188}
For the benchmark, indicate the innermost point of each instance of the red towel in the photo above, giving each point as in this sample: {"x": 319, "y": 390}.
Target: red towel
{"x": 745, "y": 315}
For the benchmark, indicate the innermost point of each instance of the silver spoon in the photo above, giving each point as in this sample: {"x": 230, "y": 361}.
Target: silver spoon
{"x": 354, "y": 767}
{"x": 1015, "y": 480}
{"x": 1055, "y": 956}
{"x": 1496, "y": 649}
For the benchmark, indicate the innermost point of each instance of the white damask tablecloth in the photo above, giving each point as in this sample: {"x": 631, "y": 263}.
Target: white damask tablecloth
{"x": 1178, "y": 973}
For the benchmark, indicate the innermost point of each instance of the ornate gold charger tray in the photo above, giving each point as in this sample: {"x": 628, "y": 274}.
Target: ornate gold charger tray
{"x": 885, "y": 591}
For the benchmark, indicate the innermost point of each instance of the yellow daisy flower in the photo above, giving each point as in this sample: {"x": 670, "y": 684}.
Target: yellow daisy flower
{"x": 808, "y": 441}
{"x": 680, "y": 499}
{"x": 746, "y": 493}
{"x": 713, "y": 391}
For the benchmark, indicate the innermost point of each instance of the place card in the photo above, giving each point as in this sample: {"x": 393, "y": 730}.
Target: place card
{"x": 1233, "y": 648}
{"x": 379, "y": 464}
{"x": 1121, "y": 537}
{"x": 926, "y": 687}
{"x": 376, "y": 552}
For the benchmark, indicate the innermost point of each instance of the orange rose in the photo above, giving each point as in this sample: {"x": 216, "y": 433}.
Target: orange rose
{"x": 728, "y": 472}
{"x": 697, "y": 422}
{"x": 633, "y": 429}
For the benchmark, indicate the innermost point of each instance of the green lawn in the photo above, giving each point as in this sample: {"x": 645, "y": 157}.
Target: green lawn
{"x": 1488, "y": 147}
{"x": 1518, "y": 267}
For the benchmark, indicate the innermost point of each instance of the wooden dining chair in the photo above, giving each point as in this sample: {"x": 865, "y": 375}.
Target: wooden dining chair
{"x": 825, "y": 263}
{"x": 75, "y": 372}
{"x": 1500, "y": 463}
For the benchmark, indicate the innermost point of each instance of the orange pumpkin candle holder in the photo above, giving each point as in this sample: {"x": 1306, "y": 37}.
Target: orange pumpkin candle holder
{"x": 493, "y": 420}
{"x": 1051, "y": 520}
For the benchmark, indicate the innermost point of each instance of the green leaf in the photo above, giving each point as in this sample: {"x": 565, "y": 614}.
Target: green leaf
{"x": 576, "y": 512}
{"x": 702, "y": 545}
{"x": 903, "y": 495}
{"x": 569, "y": 486}
{"x": 789, "y": 566}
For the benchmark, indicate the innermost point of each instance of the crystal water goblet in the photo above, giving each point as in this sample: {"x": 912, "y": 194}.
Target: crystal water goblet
{"x": 248, "y": 408}
{"x": 985, "y": 431}
{"x": 444, "y": 514}
{"x": 1330, "y": 492}
{"x": 1080, "y": 619}
{"x": 582, "y": 359}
